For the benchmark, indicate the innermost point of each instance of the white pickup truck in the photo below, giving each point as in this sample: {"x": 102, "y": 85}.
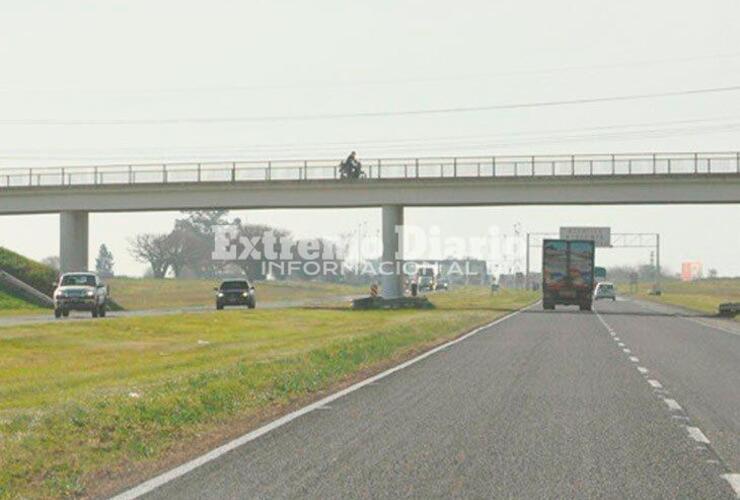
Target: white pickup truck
{"x": 80, "y": 292}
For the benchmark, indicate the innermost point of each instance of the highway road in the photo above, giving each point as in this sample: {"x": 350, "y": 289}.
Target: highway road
{"x": 631, "y": 401}
{"x": 34, "y": 319}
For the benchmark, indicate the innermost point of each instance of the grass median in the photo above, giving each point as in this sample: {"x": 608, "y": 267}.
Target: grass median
{"x": 149, "y": 293}
{"x": 702, "y": 295}
{"x": 83, "y": 405}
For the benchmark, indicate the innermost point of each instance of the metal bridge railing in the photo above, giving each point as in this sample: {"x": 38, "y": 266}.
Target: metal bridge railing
{"x": 383, "y": 168}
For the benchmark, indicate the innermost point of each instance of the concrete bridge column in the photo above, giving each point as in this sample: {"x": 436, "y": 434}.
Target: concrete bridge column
{"x": 392, "y": 283}
{"x": 73, "y": 241}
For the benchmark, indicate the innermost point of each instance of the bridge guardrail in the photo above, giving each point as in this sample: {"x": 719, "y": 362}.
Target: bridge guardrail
{"x": 382, "y": 168}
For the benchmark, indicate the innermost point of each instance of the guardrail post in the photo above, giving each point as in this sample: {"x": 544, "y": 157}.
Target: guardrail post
{"x": 233, "y": 172}
{"x": 696, "y": 163}
{"x": 591, "y": 168}
{"x": 493, "y": 166}
{"x": 614, "y": 166}
{"x": 533, "y": 166}
{"x": 130, "y": 174}
{"x": 30, "y": 177}
{"x": 572, "y": 164}
{"x": 552, "y": 168}
{"x": 454, "y": 167}
{"x": 268, "y": 171}
{"x": 709, "y": 165}
{"x": 737, "y": 162}
{"x": 95, "y": 173}
{"x": 305, "y": 170}
{"x": 654, "y": 164}
{"x": 63, "y": 176}
{"x": 379, "y": 172}
{"x": 669, "y": 165}
{"x": 516, "y": 169}
{"x": 416, "y": 165}
{"x": 629, "y": 167}
{"x": 198, "y": 172}
{"x": 164, "y": 174}
{"x": 478, "y": 169}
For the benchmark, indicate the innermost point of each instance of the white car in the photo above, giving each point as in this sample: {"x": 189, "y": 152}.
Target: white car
{"x": 80, "y": 292}
{"x": 605, "y": 290}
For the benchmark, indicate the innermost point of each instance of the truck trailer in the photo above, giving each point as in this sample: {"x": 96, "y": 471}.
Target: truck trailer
{"x": 568, "y": 273}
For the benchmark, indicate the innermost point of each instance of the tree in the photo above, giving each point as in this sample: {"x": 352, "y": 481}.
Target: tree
{"x": 253, "y": 267}
{"x": 186, "y": 249}
{"x": 104, "y": 262}
{"x": 152, "y": 249}
{"x": 52, "y": 262}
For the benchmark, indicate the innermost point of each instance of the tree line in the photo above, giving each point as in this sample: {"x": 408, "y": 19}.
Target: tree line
{"x": 186, "y": 251}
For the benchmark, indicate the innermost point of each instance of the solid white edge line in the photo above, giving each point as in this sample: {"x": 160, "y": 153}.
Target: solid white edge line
{"x": 697, "y": 435}
{"x": 734, "y": 480}
{"x": 655, "y": 384}
{"x": 181, "y": 470}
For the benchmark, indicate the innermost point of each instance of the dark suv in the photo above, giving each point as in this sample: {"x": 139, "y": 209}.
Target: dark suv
{"x": 235, "y": 293}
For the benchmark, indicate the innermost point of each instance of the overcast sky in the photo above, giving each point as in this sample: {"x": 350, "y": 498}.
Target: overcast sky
{"x": 80, "y": 63}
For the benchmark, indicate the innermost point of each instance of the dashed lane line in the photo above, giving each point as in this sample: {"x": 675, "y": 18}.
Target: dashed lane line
{"x": 697, "y": 435}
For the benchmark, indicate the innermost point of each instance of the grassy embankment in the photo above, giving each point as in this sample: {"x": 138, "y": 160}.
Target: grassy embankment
{"x": 83, "y": 405}
{"x": 703, "y": 295}
{"x": 147, "y": 293}
{"x": 34, "y": 273}
{"x": 13, "y": 306}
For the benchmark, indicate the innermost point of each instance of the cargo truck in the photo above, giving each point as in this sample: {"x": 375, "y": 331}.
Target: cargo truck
{"x": 567, "y": 273}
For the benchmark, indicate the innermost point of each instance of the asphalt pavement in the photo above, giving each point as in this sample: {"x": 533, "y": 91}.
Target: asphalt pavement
{"x": 546, "y": 404}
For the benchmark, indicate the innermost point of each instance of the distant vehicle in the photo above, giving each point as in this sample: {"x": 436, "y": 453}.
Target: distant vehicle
{"x": 426, "y": 278}
{"x": 567, "y": 273}
{"x": 442, "y": 284}
{"x": 80, "y": 292}
{"x": 235, "y": 293}
{"x": 599, "y": 274}
{"x": 605, "y": 290}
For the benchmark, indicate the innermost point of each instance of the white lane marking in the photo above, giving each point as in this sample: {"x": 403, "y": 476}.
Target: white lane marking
{"x": 655, "y": 384}
{"x": 324, "y": 408}
{"x": 621, "y": 344}
{"x": 634, "y": 359}
{"x": 697, "y": 435}
{"x": 673, "y": 405}
{"x": 187, "y": 467}
{"x": 616, "y": 338}
{"x": 627, "y": 351}
{"x": 680, "y": 417}
{"x": 642, "y": 369}
{"x": 734, "y": 480}
{"x": 612, "y": 333}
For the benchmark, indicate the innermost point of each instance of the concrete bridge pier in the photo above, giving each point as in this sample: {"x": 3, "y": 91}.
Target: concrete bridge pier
{"x": 392, "y": 278}
{"x": 73, "y": 241}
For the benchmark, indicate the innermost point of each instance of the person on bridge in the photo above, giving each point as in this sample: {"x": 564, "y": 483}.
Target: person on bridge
{"x": 351, "y": 167}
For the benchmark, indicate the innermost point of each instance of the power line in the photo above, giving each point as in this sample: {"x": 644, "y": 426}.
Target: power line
{"x": 457, "y": 147}
{"x": 393, "y": 81}
{"x": 369, "y": 114}
{"x": 384, "y": 142}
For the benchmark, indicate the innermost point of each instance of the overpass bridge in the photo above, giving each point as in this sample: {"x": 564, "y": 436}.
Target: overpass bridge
{"x": 391, "y": 183}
